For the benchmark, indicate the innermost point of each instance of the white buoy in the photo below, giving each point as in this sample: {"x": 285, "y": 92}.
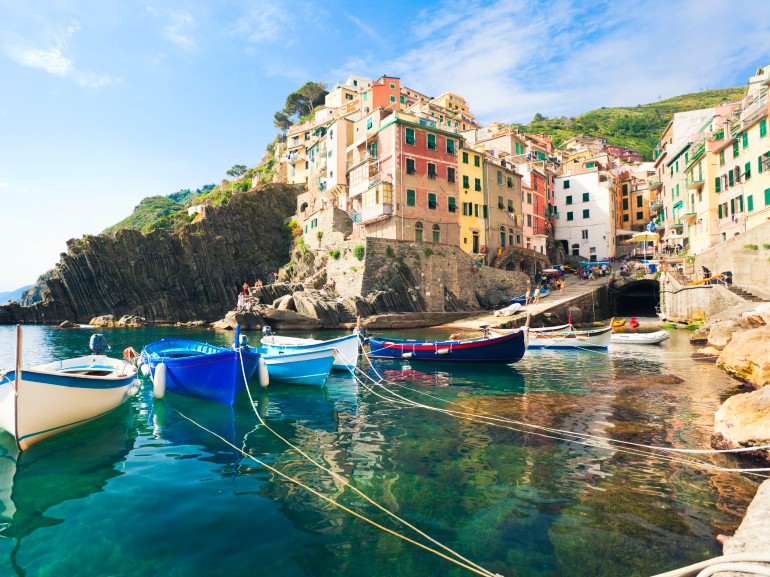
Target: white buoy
{"x": 145, "y": 368}
{"x": 407, "y": 355}
{"x": 134, "y": 388}
{"x": 263, "y": 377}
{"x": 159, "y": 381}
{"x": 442, "y": 351}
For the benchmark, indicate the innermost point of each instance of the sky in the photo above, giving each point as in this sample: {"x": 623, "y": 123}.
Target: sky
{"x": 106, "y": 102}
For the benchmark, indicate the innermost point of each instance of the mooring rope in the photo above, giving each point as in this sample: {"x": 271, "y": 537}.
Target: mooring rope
{"x": 463, "y": 561}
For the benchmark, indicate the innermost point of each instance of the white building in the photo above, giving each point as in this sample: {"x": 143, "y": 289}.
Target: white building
{"x": 585, "y": 208}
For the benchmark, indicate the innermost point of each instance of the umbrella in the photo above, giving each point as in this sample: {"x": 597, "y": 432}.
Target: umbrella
{"x": 644, "y": 238}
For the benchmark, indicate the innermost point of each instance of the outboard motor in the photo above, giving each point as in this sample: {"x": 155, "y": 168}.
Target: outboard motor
{"x": 244, "y": 343}
{"x": 98, "y": 344}
{"x": 485, "y": 328}
{"x": 267, "y": 331}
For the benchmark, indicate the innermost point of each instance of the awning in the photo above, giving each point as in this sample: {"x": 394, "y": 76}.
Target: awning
{"x": 673, "y": 235}
{"x": 621, "y": 232}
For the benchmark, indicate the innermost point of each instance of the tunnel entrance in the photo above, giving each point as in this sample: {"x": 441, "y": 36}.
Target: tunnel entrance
{"x": 639, "y": 298}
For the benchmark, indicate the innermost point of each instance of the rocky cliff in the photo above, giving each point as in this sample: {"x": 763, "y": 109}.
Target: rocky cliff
{"x": 195, "y": 274}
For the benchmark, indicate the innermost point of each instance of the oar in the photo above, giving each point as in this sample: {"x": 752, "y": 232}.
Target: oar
{"x": 18, "y": 359}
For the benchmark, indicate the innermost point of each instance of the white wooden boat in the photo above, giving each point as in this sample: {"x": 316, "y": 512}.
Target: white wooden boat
{"x": 639, "y": 338}
{"x": 40, "y": 401}
{"x": 567, "y": 337}
{"x": 508, "y": 311}
{"x": 297, "y": 367}
{"x": 347, "y": 347}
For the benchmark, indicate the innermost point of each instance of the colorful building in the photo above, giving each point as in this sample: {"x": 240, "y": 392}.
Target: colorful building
{"x": 474, "y": 211}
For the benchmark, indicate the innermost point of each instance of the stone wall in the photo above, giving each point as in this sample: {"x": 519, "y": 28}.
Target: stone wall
{"x": 693, "y": 302}
{"x": 749, "y": 266}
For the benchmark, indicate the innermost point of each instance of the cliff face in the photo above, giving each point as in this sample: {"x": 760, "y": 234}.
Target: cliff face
{"x": 193, "y": 275}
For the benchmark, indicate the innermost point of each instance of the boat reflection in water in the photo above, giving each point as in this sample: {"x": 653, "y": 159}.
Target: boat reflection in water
{"x": 73, "y": 465}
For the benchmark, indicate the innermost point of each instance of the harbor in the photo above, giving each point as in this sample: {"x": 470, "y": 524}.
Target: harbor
{"x": 173, "y": 485}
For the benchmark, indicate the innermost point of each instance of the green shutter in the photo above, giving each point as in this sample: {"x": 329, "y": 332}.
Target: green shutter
{"x": 499, "y": 177}
{"x": 730, "y": 178}
{"x": 750, "y": 202}
{"x": 466, "y": 181}
{"x": 718, "y": 184}
{"x": 465, "y": 158}
{"x": 569, "y": 216}
{"x": 451, "y": 203}
{"x": 368, "y": 123}
{"x": 762, "y": 128}
{"x": 745, "y": 139}
{"x": 767, "y": 196}
{"x": 735, "y": 149}
{"x": 411, "y": 197}
{"x": 721, "y": 158}
{"x": 485, "y": 211}
{"x": 759, "y": 164}
{"x": 747, "y": 170}
{"x": 431, "y": 142}
{"x": 586, "y": 213}
{"x": 720, "y": 210}
{"x": 585, "y": 197}
{"x": 432, "y": 204}
{"x": 477, "y": 184}
{"x": 476, "y": 161}
{"x": 450, "y": 146}
{"x": 510, "y": 182}
{"x": 410, "y": 136}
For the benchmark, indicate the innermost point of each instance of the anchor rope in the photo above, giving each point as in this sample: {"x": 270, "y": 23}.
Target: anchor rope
{"x": 463, "y": 561}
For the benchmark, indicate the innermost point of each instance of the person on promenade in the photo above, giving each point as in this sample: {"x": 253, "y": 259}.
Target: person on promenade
{"x": 706, "y": 275}
{"x": 275, "y": 278}
{"x": 562, "y": 284}
{"x": 527, "y": 296}
{"x": 536, "y": 295}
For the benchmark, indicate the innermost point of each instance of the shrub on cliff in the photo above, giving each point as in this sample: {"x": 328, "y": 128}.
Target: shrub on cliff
{"x": 358, "y": 251}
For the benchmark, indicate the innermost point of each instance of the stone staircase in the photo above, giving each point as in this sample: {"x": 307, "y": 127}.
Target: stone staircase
{"x": 744, "y": 294}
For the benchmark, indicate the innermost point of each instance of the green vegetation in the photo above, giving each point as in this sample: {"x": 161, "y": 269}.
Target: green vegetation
{"x": 636, "y": 127}
{"x": 390, "y": 252}
{"x": 358, "y": 251}
{"x": 300, "y": 105}
{"x": 428, "y": 251}
{"x": 751, "y": 246}
{"x": 765, "y": 245}
{"x": 157, "y": 212}
{"x": 334, "y": 253}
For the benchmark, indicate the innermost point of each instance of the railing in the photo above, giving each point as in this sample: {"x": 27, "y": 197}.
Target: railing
{"x": 376, "y": 212}
{"x": 753, "y": 110}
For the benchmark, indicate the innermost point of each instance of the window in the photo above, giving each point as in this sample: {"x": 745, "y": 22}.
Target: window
{"x": 392, "y": 86}
{"x": 625, "y": 190}
{"x": 750, "y": 202}
{"x": 759, "y": 164}
{"x": 569, "y": 216}
{"x": 735, "y": 149}
{"x": 721, "y": 158}
{"x": 568, "y": 200}
{"x": 476, "y": 160}
{"x": 467, "y": 209}
{"x": 625, "y": 204}
{"x": 411, "y": 197}
{"x": 747, "y": 171}
{"x": 529, "y": 220}
{"x": 476, "y": 184}
{"x": 368, "y": 123}
{"x": 366, "y": 95}
{"x": 465, "y": 158}
{"x": 585, "y": 197}
{"x": 584, "y": 234}
{"x": 502, "y": 236}
{"x": 450, "y": 174}
{"x": 767, "y": 196}
{"x": 529, "y": 198}
{"x": 566, "y": 184}
{"x": 500, "y": 203}
{"x": 591, "y": 250}
{"x": 402, "y": 99}
{"x": 510, "y": 205}
{"x": 590, "y": 164}
{"x": 410, "y": 168}
{"x": 719, "y": 211}
{"x": 392, "y": 98}
{"x": 432, "y": 204}
{"x": 510, "y": 182}
{"x": 499, "y": 177}
{"x": 466, "y": 181}
{"x": 476, "y": 242}
{"x": 410, "y": 136}
{"x": 625, "y": 218}
{"x": 510, "y": 235}
{"x": 730, "y": 178}
{"x": 418, "y": 231}
{"x": 586, "y": 213}
{"x": 432, "y": 170}
{"x": 745, "y": 139}
{"x": 762, "y": 128}
{"x": 476, "y": 210}
{"x": 639, "y": 215}
{"x": 451, "y": 203}
{"x": 431, "y": 142}
{"x": 639, "y": 201}
{"x": 436, "y": 233}
{"x": 450, "y": 146}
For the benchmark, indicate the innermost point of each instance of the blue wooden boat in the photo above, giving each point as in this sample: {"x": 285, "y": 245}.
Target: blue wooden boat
{"x": 521, "y": 300}
{"x": 347, "y": 347}
{"x": 507, "y": 348}
{"x": 198, "y": 369}
{"x": 299, "y": 367}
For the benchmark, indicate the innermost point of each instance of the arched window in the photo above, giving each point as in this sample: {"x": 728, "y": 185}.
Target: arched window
{"x": 575, "y": 249}
{"x": 418, "y": 231}
{"x": 303, "y": 208}
{"x": 436, "y": 233}
{"x": 510, "y": 236}
{"x": 502, "y": 236}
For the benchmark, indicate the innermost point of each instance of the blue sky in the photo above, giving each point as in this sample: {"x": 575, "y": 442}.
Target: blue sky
{"x": 103, "y": 103}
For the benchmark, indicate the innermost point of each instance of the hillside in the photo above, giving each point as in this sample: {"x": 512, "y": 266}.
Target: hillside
{"x": 638, "y": 127}
{"x": 14, "y": 295}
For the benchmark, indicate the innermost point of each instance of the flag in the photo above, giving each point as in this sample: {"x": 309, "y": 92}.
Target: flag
{"x": 651, "y": 227}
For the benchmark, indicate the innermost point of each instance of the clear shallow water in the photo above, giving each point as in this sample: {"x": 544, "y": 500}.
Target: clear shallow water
{"x": 145, "y": 492}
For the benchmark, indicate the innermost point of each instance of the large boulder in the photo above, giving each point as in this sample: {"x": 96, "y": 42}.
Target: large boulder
{"x": 103, "y": 321}
{"x": 700, "y": 336}
{"x": 289, "y": 320}
{"x": 721, "y": 333}
{"x": 747, "y": 356}
{"x": 744, "y": 421}
{"x": 131, "y": 321}
{"x": 249, "y": 320}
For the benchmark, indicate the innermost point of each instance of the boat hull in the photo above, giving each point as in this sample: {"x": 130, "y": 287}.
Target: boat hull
{"x": 55, "y": 397}
{"x": 638, "y": 338}
{"x": 347, "y": 348}
{"x": 508, "y": 348}
{"x": 309, "y": 368}
{"x": 200, "y": 370}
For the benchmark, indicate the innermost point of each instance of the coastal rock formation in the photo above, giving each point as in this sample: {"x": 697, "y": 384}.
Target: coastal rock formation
{"x": 721, "y": 333}
{"x": 700, "y": 336}
{"x": 744, "y": 421}
{"x": 747, "y": 356}
{"x": 193, "y": 275}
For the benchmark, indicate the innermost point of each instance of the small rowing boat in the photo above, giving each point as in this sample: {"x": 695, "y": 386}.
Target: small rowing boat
{"x": 508, "y": 348}
{"x": 638, "y": 338}
{"x": 618, "y": 322}
{"x": 522, "y": 300}
{"x": 303, "y": 367}
{"x": 40, "y": 401}
{"x": 347, "y": 347}
{"x": 567, "y": 337}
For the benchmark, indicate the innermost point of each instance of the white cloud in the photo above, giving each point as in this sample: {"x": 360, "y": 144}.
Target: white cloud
{"x": 267, "y": 23}
{"x": 511, "y": 58}
{"x": 365, "y": 28}
{"x": 180, "y": 30}
{"x": 51, "y": 60}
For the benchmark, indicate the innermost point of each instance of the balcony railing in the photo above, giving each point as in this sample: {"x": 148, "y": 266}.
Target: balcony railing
{"x": 376, "y": 212}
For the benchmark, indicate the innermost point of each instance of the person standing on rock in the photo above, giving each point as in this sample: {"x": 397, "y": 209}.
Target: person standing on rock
{"x": 240, "y": 302}
{"x": 245, "y": 288}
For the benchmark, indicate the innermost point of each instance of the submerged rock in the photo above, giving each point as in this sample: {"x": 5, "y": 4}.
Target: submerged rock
{"x": 68, "y": 325}
{"x": 700, "y": 336}
{"x": 708, "y": 354}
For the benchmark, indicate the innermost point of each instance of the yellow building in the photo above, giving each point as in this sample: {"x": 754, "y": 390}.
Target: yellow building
{"x": 474, "y": 213}
{"x": 756, "y": 168}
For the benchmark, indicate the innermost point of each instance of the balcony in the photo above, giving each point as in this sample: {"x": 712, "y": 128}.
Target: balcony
{"x": 655, "y": 184}
{"x": 694, "y": 184}
{"x": 376, "y": 212}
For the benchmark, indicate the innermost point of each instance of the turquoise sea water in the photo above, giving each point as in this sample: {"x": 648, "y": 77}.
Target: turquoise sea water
{"x": 145, "y": 492}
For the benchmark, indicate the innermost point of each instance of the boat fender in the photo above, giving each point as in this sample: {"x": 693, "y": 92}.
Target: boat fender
{"x": 408, "y": 355}
{"x": 134, "y": 388}
{"x": 130, "y": 354}
{"x": 159, "y": 381}
{"x": 442, "y": 351}
{"x": 145, "y": 368}
{"x": 263, "y": 377}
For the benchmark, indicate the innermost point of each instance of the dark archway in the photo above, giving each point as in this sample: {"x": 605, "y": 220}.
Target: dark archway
{"x": 636, "y": 298}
